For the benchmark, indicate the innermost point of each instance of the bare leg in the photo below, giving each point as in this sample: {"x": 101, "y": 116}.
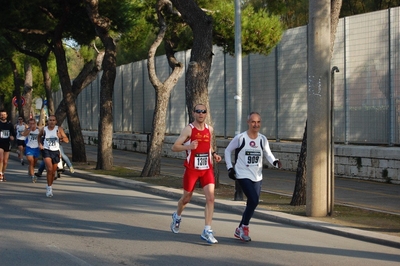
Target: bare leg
{"x": 50, "y": 170}
{"x": 32, "y": 162}
{"x": 4, "y": 161}
{"x": 183, "y": 201}
{"x": 209, "y": 209}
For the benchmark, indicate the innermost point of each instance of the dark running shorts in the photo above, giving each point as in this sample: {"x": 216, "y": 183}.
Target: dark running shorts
{"x": 6, "y": 146}
{"x": 54, "y": 155}
{"x": 21, "y": 143}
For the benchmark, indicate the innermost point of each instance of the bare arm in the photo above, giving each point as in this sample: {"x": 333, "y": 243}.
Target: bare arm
{"x": 183, "y": 137}
{"x": 39, "y": 139}
{"x": 62, "y": 136}
{"x": 26, "y": 132}
{"x": 215, "y": 155}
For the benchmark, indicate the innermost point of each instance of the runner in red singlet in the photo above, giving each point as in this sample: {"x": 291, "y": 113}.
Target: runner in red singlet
{"x": 195, "y": 139}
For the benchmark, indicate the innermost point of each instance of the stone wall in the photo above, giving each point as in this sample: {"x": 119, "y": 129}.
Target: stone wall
{"x": 362, "y": 162}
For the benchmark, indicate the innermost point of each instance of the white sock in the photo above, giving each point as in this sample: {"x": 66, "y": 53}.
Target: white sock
{"x": 207, "y": 227}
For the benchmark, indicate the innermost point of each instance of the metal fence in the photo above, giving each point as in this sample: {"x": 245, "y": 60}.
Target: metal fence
{"x": 367, "y": 88}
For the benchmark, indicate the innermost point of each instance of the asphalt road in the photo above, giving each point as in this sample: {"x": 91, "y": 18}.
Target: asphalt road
{"x": 90, "y": 223}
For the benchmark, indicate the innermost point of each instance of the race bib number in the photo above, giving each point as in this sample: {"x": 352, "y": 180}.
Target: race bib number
{"x": 51, "y": 141}
{"x": 33, "y": 137}
{"x": 5, "y": 134}
{"x": 201, "y": 161}
{"x": 252, "y": 157}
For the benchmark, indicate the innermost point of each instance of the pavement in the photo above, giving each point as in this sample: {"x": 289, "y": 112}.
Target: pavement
{"x": 375, "y": 196}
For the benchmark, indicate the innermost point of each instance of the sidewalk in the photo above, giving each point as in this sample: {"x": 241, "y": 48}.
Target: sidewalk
{"x": 282, "y": 182}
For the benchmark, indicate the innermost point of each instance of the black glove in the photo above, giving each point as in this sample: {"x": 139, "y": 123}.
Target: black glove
{"x": 232, "y": 173}
{"x": 277, "y": 163}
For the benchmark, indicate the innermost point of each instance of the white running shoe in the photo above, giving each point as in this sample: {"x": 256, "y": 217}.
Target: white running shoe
{"x": 209, "y": 236}
{"x": 34, "y": 179}
{"x": 71, "y": 170}
{"x": 49, "y": 192}
{"x": 175, "y": 223}
{"x": 243, "y": 233}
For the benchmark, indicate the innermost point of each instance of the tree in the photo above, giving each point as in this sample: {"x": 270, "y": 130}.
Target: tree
{"x": 163, "y": 91}
{"x": 55, "y": 21}
{"x": 85, "y": 77}
{"x": 6, "y": 74}
{"x": 211, "y": 24}
{"x": 43, "y": 59}
{"x": 293, "y": 13}
{"x": 49, "y": 22}
{"x": 354, "y": 7}
{"x": 299, "y": 193}
{"x": 105, "y": 130}
{"x": 28, "y": 91}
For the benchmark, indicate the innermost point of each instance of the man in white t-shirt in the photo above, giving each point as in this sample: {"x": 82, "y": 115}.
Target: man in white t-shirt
{"x": 250, "y": 147}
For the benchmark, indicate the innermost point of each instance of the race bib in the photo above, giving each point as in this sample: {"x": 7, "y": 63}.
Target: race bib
{"x": 5, "y": 134}
{"x": 51, "y": 141}
{"x": 33, "y": 137}
{"x": 201, "y": 161}
{"x": 252, "y": 157}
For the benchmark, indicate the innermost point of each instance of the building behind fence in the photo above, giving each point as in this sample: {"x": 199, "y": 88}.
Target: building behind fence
{"x": 366, "y": 90}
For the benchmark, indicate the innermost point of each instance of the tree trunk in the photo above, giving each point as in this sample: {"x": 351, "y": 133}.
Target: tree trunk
{"x": 299, "y": 195}
{"x": 105, "y": 130}
{"x": 85, "y": 77}
{"x": 198, "y": 72}
{"x": 163, "y": 92}
{"x": 2, "y": 97}
{"x": 47, "y": 82}
{"x": 153, "y": 159}
{"x": 17, "y": 91}
{"x": 74, "y": 126}
{"x": 27, "y": 93}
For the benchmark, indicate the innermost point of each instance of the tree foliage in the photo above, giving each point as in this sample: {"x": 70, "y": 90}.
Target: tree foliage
{"x": 261, "y": 30}
{"x": 46, "y": 24}
{"x": 294, "y": 13}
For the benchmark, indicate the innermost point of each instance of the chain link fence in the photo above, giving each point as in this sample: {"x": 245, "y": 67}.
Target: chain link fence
{"x": 366, "y": 91}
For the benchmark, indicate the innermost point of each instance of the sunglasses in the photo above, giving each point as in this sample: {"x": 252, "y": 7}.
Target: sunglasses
{"x": 198, "y": 111}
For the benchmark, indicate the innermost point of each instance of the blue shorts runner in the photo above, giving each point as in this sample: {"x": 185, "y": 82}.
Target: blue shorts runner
{"x": 54, "y": 155}
{"x": 35, "y": 152}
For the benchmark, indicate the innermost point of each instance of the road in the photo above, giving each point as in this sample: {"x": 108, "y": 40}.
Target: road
{"x": 89, "y": 223}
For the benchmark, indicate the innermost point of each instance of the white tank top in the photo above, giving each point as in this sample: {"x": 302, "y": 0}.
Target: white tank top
{"x": 32, "y": 139}
{"x": 51, "y": 141}
{"x": 20, "y": 129}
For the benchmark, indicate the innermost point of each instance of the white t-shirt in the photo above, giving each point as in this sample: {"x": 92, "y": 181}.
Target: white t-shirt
{"x": 20, "y": 128}
{"x": 249, "y": 162}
